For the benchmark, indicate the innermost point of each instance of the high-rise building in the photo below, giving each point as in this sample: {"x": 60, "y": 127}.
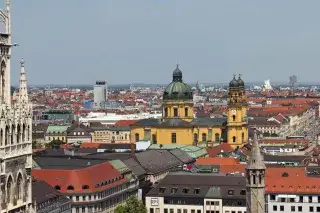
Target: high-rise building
{"x": 100, "y": 95}
{"x": 15, "y": 131}
{"x": 255, "y": 179}
{"x": 293, "y": 80}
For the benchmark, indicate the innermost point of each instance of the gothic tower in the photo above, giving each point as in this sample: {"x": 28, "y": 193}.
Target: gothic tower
{"x": 255, "y": 176}
{"x": 15, "y": 131}
{"x": 237, "y": 131}
{"x": 177, "y": 98}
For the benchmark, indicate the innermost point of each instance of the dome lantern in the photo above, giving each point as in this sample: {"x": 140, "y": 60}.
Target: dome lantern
{"x": 177, "y": 75}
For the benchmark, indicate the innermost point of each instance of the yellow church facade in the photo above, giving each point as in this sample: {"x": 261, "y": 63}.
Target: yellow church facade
{"x": 179, "y": 126}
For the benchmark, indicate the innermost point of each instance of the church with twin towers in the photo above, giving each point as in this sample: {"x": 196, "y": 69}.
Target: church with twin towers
{"x": 15, "y": 130}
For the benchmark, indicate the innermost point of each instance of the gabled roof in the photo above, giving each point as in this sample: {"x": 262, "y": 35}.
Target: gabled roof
{"x": 92, "y": 179}
{"x": 125, "y": 122}
{"x": 216, "y": 150}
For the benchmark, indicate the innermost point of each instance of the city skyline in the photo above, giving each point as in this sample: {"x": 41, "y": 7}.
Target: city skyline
{"x": 141, "y": 41}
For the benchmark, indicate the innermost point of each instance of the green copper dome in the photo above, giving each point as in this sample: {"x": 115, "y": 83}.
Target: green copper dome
{"x": 177, "y": 89}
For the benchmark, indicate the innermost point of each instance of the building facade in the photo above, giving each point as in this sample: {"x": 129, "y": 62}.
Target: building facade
{"x": 100, "y": 95}
{"x": 15, "y": 131}
{"x": 178, "y": 124}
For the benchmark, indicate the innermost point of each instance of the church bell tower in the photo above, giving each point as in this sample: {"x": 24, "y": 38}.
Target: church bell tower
{"x": 255, "y": 179}
{"x": 237, "y": 131}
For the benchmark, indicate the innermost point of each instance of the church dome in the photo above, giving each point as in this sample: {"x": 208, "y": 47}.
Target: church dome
{"x": 240, "y": 82}
{"x": 234, "y": 83}
{"x": 177, "y": 89}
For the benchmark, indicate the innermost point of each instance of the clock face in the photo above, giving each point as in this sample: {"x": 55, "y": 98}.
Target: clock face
{"x": 233, "y": 112}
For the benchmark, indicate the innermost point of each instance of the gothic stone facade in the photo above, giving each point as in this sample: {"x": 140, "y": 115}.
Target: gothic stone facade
{"x": 15, "y": 131}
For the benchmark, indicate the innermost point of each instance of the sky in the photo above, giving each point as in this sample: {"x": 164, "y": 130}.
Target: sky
{"x": 141, "y": 41}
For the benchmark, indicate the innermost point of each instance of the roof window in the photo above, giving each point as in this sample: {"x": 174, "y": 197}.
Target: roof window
{"x": 185, "y": 191}
{"x": 174, "y": 190}
{"x": 85, "y": 187}
{"x": 285, "y": 174}
{"x": 70, "y": 187}
{"x": 57, "y": 187}
{"x": 196, "y": 191}
{"x": 230, "y": 192}
{"x": 162, "y": 189}
{"x": 243, "y": 192}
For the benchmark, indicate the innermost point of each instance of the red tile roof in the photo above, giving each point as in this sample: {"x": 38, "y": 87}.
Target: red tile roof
{"x": 224, "y": 147}
{"x": 217, "y": 161}
{"x": 86, "y": 180}
{"x": 90, "y": 145}
{"x": 125, "y": 122}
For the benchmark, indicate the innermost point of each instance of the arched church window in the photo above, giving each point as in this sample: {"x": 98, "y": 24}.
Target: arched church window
{"x": 195, "y": 137}
{"x": 137, "y": 137}
{"x": 13, "y": 129}
{"x": 20, "y": 187}
{"x": 217, "y": 137}
{"x": 166, "y": 112}
{"x": 233, "y": 118}
{"x": 2, "y": 79}
{"x": 242, "y": 137}
{"x": 23, "y": 133}
{"x": 9, "y": 189}
{"x": 7, "y": 135}
{"x": 204, "y": 137}
{"x": 234, "y": 139}
{"x": 154, "y": 139}
{"x": 254, "y": 179}
{"x": 186, "y": 113}
{"x": 175, "y": 112}
{"x": 18, "y": 133}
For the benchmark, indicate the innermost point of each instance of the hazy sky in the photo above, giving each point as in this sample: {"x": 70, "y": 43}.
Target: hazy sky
{"x": 131, "y": 41}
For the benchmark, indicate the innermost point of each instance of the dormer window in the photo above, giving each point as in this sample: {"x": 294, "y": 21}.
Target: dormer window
{"x": 162, "y": 189}
{"x": 243, "y": 192}
{"x": 57, "y": 187}
{"x": 85, "y": 187}
{"x": 230, "y": 192}
{"x": 185, "y": 191}
{"x": 196, "y": 191}
{"x": 70, "y": 187}
{"x": 174, "y": 190}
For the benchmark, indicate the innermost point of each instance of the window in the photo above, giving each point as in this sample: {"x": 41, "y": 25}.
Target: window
{"x": 293, "y": 208}
{"x": 151, "y": 210}
{"x": 174, "y": 190}
{"x": 272, "y": 197}
{"x": 173, "y": 138}
{"x": 217, "y": 137}
{"x": 318, "y": 209}
{"x": 70, "y": 188}
{"x": 57, "y": 187}
{"x": 233, "y": 118}
{"x": 281, "y": 208}
{"x": 242, "y": 137}
{"x": 195, "y": 137}
{"x": 165, "y": 112}
{"x": 186, "y": 111}
{"x": 234, "y": 139}
{"x": 196, "y": 191}
{"x": 243, "y": 192}
{"x": 275, "y": 208}
{"x": 162, "y": 190}
{"x": 137, "y": 137}
{"x": 204, "y": 137}
{"x": 185, "y": 210}
{"x": 299, "y": 208}
{"x": 154, "y": 138}
{"x": 175, "y": 112}
{"x": 311, "y": 209}
{"x": 85, "y": 187}
{"x": 230, "y": 192}
{"x": 310, "y": 199}
{"x": 165, "y": 210}
{"x": 185, "y": 191}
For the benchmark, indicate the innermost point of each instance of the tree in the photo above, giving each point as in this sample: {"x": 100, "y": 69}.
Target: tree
{"x": 274, "y": 135}
{"x": 36, "y": 145}
{"x": 54, "y": 143}
{"x": 266, "y": 134}
{"x": 133, "y": 205}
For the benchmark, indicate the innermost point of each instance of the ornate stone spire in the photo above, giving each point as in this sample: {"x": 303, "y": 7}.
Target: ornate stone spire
{"x": 23, "y": 92}
{"x": 256, "y": 159}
